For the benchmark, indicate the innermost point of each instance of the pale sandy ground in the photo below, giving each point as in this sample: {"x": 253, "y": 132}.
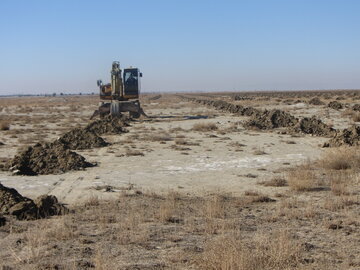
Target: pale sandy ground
{"x": 215, "y": 164}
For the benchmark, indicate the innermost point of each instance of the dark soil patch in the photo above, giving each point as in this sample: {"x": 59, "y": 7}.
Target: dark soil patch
{"x": 314, "y": 126}
{"x": 349, "y": 136}
{"x": 316, "y": 101}
{"x": 336, "y": 105}
{"x": 13, "y": 203}
{"x": 271, "y": 119}
{"x": 356, "y": 107}
{"x": 53, "y": 158}
{"x": 79, "y": 138}
{"x": 108, "y": 124}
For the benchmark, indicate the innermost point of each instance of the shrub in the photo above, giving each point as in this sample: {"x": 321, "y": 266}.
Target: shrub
{"x": 341, "y": 158}
{"x": 301, "y": 179}
{"x": 205, "y": 127}
{"x": 4, "y": 125}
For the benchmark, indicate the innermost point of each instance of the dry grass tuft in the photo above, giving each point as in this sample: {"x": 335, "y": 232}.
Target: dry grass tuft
{"x": 301, "y": 179}
{"x": 130, "y": 152}
{"x": 339, "y": 182}
{"x": 341, "y": 158}
{"x": 4, "y": 125}
{"x": 203, "y": 127}
{"x": 275, "y": 182}
{"x": 278, "y": 251}
{"x": 158, "y": 137}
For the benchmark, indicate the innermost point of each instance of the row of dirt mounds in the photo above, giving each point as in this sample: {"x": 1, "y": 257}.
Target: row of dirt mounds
{"x": 13, "y": 203}
{"x": 225, "y": 106}
{"x": 349, "y": 136}
{"x": 57, "y": 157}
{"x": 266, "y": 120}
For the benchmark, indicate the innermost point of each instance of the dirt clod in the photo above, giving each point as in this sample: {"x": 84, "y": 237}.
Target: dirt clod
{"x": 271, "y": 119}
{"x": 356, "y": 107}
{"x": 336, "y": 105}
{"x": 314, "y": 126}
{"x": 349, "y": 136}
{"x": 13, "y": 203}
{"x": 316, "y": 101}
{"x": 53, "y": 158}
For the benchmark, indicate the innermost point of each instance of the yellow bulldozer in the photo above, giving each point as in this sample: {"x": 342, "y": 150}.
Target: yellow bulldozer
{"x": 122, "y": 94}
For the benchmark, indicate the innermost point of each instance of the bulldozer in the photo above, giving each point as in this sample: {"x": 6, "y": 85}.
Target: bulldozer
{"x": 122, "y": 94}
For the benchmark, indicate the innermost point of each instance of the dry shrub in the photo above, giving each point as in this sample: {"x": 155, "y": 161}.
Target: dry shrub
{"x": 4, "y": 125}
{"x": 181, "y": 141}
{"x": 204, "y": 127}
{"x": 339, "y": 182}
{"x": 340, "y": 202}
{"x": 159, "y": 137}
{"x": 355, "y": 116}
{"x": 275, "y": 182}
{"x": 301, "y": 179}
{"x": 130, "y": 152}
{"x": 214, "y": 207}
{"x": 341, "y": 158}
{"x": 259, "y": 152}
{"x": 168, "y": 207}
{"x": 278, "y": 251}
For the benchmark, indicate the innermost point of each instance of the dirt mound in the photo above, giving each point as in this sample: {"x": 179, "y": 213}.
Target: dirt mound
{"x": 79, "y": 138}
{"x": 356, "y": 107}
{"x": 271, "y": 119}
{"x": 314, "y": 126}
{"x": 336, "y": 105}
{"x": 48, "y": 205}
{"x": 13, "y": 203}
{"x": 108, "y": 124}
{"x": 316, "y": 101}
{"x": 53, "y": 158}
{"x": 349, "y": 136}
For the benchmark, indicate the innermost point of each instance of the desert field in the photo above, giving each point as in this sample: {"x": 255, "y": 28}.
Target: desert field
{"x": 246, "y": 180}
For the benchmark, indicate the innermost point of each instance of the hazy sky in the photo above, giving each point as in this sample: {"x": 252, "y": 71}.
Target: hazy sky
{"x": 180, "y": 45}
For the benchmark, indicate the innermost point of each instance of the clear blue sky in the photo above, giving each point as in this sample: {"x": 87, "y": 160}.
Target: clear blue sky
{"x": 66, "y": 45}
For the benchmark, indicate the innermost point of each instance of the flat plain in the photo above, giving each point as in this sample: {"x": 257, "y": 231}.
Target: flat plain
{"x": 206, "y": 181}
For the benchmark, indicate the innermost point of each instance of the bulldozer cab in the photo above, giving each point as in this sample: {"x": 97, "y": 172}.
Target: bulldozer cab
{"x": 131, "y": 83}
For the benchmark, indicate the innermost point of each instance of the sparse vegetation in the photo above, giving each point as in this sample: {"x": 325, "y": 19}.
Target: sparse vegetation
{"x": 302, "y": 179}
{"x": 204, "y": 127}
{"x": 4, "y": 125}
{"x": 277, "y": 224}
{"x": 341, "y": 158}
{"x": 275, "y": 182}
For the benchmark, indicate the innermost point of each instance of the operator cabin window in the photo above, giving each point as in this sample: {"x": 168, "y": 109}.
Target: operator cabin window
{"x": 131, "y": 78}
